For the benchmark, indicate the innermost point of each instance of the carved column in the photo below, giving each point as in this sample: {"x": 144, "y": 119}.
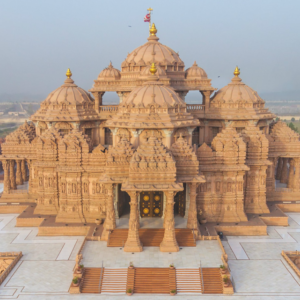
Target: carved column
{"x": 98, "y": 100}
{"x": 168, "y": 133}
{"x": 135, "y": 137}
{"x": 23, "y": 170}
{"x": 192, "y": 221}
{"x": 114, "y": 132}
{"x": 169, "y": 243}
{"x": 284, "y": 172}
{"x": 120, "y": 94}
{"x": 296, "y": 176}
{"x": 133, "y": 243}
{"x": 6, "y": 166}
{"x": 206, "y": 98}
{"x": 19, "y": 179}
{"x": 110, "y": 220}
{"x": 190, "y": 131}
{"x": 290, "y": 184}
{"x": 13, "y": 185}
{"x": 279, "y": 168}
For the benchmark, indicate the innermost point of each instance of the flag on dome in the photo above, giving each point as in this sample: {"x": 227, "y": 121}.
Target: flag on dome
{"x": 147, "y": 18}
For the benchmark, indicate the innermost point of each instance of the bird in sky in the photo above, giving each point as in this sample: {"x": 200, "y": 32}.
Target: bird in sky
{"x": 129, "y": 26}
{"x": 219, "y": 76}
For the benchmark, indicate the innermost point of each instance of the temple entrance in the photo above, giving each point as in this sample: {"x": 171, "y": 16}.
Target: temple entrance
{"x": 123, "y": 202}
{"x": 151, "y": 204}
{"x": 179, "y": 206}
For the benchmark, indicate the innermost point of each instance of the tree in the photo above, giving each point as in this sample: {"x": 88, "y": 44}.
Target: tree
{"x": 293, "y": 120}
{"x": 292, "y": 126}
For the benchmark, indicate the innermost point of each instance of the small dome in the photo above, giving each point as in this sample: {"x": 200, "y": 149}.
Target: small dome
{"x": 160, "y": 72}
{"x": 69, "y": 93}
{"x": 153, "y": 93}
{"x": 153, "y": 51}
{"x": 236, "y": 92}
{"x": 68, "y": 102}
{"x": 109, "y": 73}
{"x": 195, "y": 72}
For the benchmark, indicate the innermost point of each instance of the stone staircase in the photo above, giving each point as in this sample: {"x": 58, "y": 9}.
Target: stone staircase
{"x": 152, "y": 237}
{"x": 154, "y": 280}
{"x": 91, "y": 280}
{"x": 114, "y": 281}
{"x": 188, "y": 281}
{"x": 212, "y": 281}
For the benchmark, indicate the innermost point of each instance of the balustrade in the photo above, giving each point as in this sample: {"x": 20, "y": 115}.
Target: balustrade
{"x": 194, "y": 107}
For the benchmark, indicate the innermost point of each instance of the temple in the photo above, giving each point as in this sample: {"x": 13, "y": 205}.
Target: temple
{"x": 152, "y": 155}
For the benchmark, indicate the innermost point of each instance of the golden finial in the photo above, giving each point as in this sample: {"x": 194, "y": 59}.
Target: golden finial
{"x": 153, "y": 69}
{"x": 236, "y": 71}
{"x": 153, "y": 30}
{"x": 69, "y": 73}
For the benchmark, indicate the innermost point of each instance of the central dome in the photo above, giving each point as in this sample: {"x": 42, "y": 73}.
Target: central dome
{"x": 153, "y": 94}
{"x": 153, "y": 51}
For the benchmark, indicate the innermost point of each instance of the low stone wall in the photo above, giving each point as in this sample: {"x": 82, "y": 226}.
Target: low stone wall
{"x": 283, "y": 196}
{"x": 70, "y": 231}
{"x": 242, "y": 230}
{"x": 12, "y": 209}
{"x": 29, "y": 222}
{"x": 16, "y": 256}
{"x": 276, "y": 221}
{"x": 289, "y": 207}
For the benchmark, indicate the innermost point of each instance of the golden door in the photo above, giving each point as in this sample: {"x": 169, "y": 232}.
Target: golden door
{"x": 151, "y": 204}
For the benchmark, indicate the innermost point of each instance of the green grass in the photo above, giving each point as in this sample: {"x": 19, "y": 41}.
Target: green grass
{"x": 5, "y": 132}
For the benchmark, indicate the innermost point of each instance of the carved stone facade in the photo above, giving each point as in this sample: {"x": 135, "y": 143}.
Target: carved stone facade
{"x": 79, "y": 156}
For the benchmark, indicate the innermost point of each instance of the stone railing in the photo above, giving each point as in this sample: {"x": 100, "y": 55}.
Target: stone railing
{"x": 16, "y": 256}
{"x": 290, "y": 262}
{"x": 194, "y": 107}
{"x": 108, "y": 109}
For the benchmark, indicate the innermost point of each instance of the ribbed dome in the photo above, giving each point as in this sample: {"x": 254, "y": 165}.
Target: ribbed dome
{"x": 109, "y": 73}
{"x": 153, "y": 93}
{"x": 69, "y": 93}
{"x": 153, "y": 51}
{"x": 195, "y": 72}
{"x": 236, "y": 92}
{"x": 67, "y": 103}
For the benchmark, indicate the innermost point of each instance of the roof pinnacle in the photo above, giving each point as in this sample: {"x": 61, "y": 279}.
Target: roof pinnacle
{"x": 236, "y": 72}
{"x": 153, "y": 69}
{"x": 153, "y": 30}
{"x": 69, "y": 73}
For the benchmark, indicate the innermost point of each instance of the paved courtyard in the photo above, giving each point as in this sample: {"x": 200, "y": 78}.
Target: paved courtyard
{"x": 45, "y": 270}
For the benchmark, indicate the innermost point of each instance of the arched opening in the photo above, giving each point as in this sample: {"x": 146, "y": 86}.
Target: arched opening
{"x": 110, "y": 98}
{"x": 193, "y": 97}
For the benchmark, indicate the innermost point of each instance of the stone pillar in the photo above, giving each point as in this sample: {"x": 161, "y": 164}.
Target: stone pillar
{"x": 192, "y": 221}
{"x": 114, "y": 132}
{"x": 19, "y": 179}
{"x": 284, "y": 171}
{"x": 271, "y": 175}
{"x": 296, "y": 177}
{"x": 102, "y": 135}
{"x": 133, "y": 243}
{"x": 13, "y": 184}
{"x": 206, "y": 133}
{"x": 206, "y": 98}
{"x": 98, "y": 100}
{"x": 190, "y": 131}
{"x": 169, "y": 243}
{"x": 6, "y": 167}
{"x": 120, "y": 94}
{"x": 135, "y": 137}
{"x": 290, "y": 184}
{"x": 279, "y": 168}
{"x": 110, "y": 220}
{"x": 23, "y": 170}
{"x": 168, "y": 133}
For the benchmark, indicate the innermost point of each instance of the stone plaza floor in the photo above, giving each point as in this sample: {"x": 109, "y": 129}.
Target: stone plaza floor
{"x": 45, "y": 270}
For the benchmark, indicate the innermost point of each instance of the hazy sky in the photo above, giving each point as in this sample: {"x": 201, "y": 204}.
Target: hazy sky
{"x": 40, "y": 39}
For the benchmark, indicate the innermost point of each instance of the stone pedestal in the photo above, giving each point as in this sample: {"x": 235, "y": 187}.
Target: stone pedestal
{"x": 12, "y": 176}
{"x": 110, "y": 220}
{"x": 133, "y": 243}
{"x": 169, "y": 243}
{"x": 192, "y": 221}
